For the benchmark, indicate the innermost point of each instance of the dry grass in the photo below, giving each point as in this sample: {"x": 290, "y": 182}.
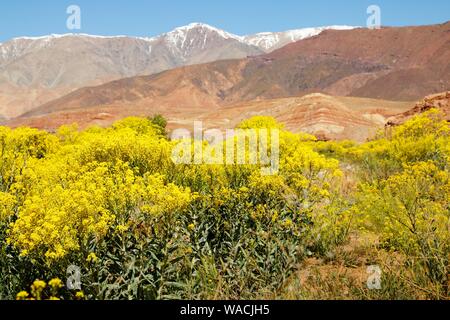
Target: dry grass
{"x": 344, "y": 275}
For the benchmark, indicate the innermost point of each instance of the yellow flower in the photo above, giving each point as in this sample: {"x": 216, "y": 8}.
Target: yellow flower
{"x": 79, "y": 295}
{"x": 92, "y": 257}
{"x": 244, "y": 189}
{"x": 288, "y": 223}
{"x": 191, "y": 227}
{"x": 38, "y": 286}
{"x": 22, "y": 295}
{"x": 23, "y": 253}
{"x": 55, "y": 283}
{"x": 122, "y": 229}
{"x": 275, "y": 217}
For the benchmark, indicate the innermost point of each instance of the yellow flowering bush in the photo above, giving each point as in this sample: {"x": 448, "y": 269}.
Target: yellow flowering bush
{"x": 424, "y": 137}
{"x": 17, "y": 147}
{"x": 140, "y": 146}
{"x": 84, "y": 186}
{"x": 411, "y": 208}
{"x": 55, "y": 217}
{"x": 112, "y": 202}
{"x": 407, "y": 200}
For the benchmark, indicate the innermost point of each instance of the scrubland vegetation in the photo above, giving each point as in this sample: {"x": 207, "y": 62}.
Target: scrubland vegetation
{"x": 111, "y": 202}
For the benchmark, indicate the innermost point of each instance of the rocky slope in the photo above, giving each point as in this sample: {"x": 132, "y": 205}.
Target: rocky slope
{"x": 324, "y": 116}
{"x": 440, "y": 101}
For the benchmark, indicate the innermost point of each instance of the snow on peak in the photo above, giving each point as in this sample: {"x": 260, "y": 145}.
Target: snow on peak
{"x": 204, "y": 26}
{"x": 179, "y": 35}
{"x": 193, "y": 36}
{"x": 273, "y": 40}
{"x": 181, "y": 40}
{"x": 73, "y": 35}
{"x": 17, "y": 47}
{"x": 265, "y": 40}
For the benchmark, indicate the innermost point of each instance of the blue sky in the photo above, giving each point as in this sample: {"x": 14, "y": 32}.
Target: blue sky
{"x": 152, "y": 17}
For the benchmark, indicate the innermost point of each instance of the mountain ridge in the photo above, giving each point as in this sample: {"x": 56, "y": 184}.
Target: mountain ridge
{"x": 384, "y": 64}
{"x": 293, "y": 34}
{"x": 35, "y": 70}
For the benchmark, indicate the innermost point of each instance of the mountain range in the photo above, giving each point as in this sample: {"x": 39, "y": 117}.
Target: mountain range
{"x": 36, "y": 70}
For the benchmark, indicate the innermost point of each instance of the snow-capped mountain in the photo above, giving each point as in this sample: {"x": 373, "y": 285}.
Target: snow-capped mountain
{"x": 183, "y": 42}
{"x": 199, "y": 43}
{"x": 52, "y": 65}
{"x": 269, "y": 41}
